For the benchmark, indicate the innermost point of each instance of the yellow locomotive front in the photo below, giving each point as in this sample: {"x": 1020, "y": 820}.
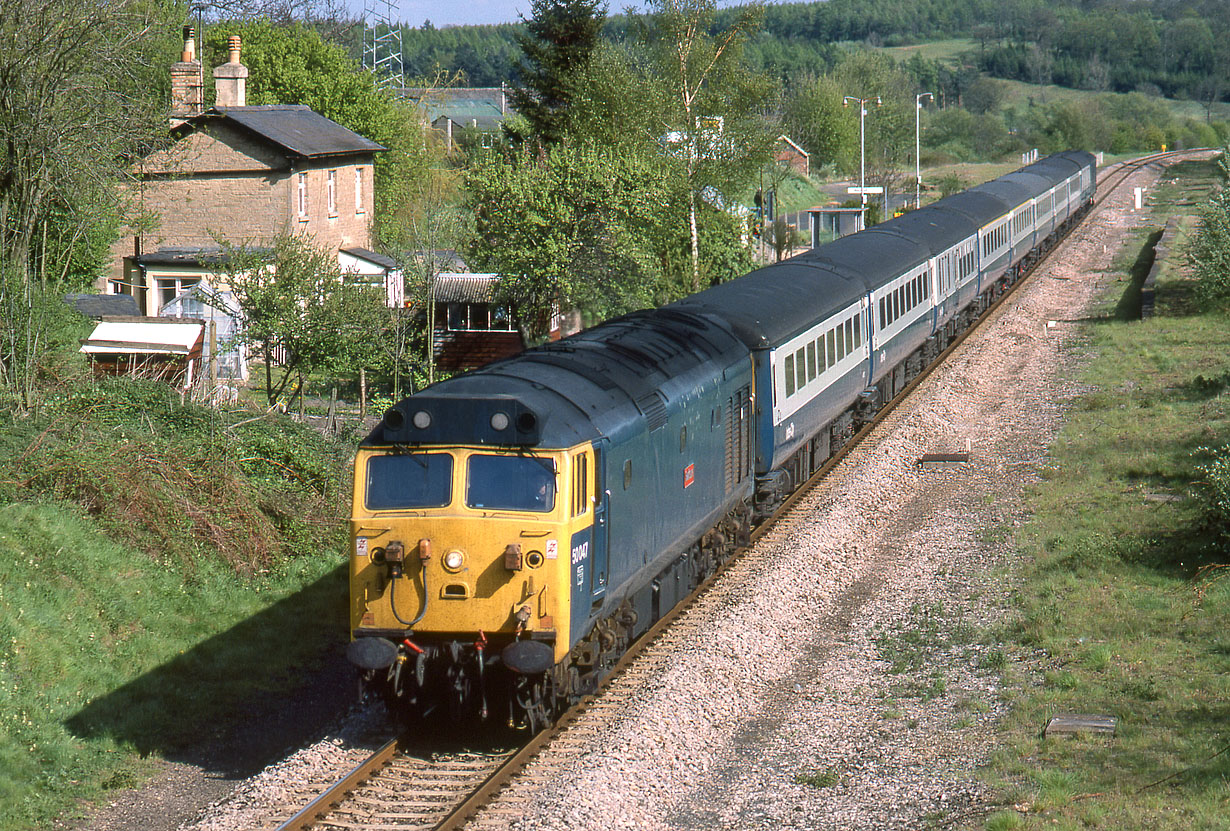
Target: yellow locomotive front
{"x": 460, "y": 576}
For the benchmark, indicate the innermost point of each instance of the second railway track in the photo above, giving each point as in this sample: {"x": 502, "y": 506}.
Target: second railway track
{"x": 404, "y": 786}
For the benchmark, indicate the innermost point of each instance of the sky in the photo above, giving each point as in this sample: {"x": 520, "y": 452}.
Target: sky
{"x": 462, "y": 12}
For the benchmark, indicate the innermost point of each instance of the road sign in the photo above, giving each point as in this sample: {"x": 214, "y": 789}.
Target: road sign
{"x": 864, "y": 190}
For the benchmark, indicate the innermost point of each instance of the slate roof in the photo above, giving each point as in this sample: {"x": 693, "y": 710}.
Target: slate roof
{"x": 371, "y": 256}
{"x": 486, "y": 115}
{"x": 296, "y": 129}
{"x": 104, "y": 305}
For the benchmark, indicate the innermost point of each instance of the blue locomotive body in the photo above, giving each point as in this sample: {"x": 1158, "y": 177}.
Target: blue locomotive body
{"x": 660, "y": 436}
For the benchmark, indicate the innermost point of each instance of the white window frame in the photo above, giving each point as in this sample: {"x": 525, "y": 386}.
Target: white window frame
{"x": 303, "y": 196}
{"x": 358, "y": 190}
{"x": 331, "y": 192}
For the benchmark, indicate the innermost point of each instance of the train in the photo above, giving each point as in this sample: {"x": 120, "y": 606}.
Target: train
{"x": 514, "y": 529}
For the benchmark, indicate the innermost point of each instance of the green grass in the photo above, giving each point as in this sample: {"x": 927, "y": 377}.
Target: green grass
{"x": 161, "y": 575}
{"x": 107, "y": 657}
{"x": 939, "y": 50}
{"x": 1108, "y": 592}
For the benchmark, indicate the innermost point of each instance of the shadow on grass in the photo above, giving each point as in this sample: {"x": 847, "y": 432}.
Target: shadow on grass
{"x": 243, "y": 697}
{"x": 1128, "y": 307}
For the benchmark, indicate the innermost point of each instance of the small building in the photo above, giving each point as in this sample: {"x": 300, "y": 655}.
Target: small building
{"x": 469, "y": 328}
{"x": 248, "y": 173}
{"x": 791, "y": 155}
{"x": 829, "y": 223}
{"x": 160, "y": 348}
{"x": 452, "y": 110}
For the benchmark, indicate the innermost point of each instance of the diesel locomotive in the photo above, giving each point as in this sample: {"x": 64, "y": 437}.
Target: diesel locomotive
{"x": 515, "y": 528}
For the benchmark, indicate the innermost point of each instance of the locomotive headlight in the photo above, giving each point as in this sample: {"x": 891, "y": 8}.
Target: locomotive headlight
{"x": 454, "y": 560}
{"x": 499, "y": 421}
{"x": 422, "y": 419}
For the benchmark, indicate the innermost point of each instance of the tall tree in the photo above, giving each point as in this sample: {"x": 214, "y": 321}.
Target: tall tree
{"x": 561, "y": 35}
{"x": 80, "y": 85}
{"x": 715, "y": 122}
{"x": 572, "y": 227}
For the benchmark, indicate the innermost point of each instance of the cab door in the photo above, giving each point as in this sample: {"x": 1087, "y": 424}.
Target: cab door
{"x": 601, "y": 503}
{"x": 587, "y": 513}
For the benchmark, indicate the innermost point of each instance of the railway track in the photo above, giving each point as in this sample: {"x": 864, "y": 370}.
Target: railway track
{"x": 406, "y": 785}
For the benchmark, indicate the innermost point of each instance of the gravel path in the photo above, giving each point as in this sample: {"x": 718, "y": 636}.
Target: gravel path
{"x": 837, "y": 677}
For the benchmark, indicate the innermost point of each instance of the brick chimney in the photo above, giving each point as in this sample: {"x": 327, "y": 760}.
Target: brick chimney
{"x": 231, "y": 78}
{"x": 187, "y": 82}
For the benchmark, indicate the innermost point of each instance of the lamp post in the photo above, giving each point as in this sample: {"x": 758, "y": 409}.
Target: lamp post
{"x": 918, "y": 99}
{"x": 862, "y": 144}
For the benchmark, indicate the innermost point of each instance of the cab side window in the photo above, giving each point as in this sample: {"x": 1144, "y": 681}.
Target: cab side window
{"x": 580, "y": 484}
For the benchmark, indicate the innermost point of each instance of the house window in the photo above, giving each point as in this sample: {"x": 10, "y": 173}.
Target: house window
{"x": 171, "y": 287}
{"x": 475, "y": 317}
{"x": 303, "y": 205}
{"x": 358, "y": 190}
{"x": 331, "y": 191}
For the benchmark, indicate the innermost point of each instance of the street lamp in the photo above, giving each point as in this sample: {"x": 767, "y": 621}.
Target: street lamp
{"x": 862, "y": 144}
{"x": 918, "y": 99}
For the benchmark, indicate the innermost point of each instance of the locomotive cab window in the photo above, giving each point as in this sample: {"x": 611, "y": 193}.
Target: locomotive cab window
{"x": 510, "y": 483}
{"x": 580, "y": 484}
{"x": 410, "y": 480}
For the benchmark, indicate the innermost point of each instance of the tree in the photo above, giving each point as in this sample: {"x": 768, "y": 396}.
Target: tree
{"x": 715, "y": 121}
{"x": 560, "y": 37}
{"x": 80, "y": 95}
{"x": 574, "y": 227}
{"x": 299, "y": 313}
{"x": 814, "y": 117}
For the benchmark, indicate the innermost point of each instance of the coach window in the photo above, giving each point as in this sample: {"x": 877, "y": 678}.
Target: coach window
{"x": 789, "y": 375}
{"x": 849, "y": 336}
{"x": 832, "y": 338}
{"x": 883, "y": 321}
{"x": 811, "y": 360}
{"x": 858, "y": 330}
{"x": 800, "y": 368}
{"x": 821, "y": 360}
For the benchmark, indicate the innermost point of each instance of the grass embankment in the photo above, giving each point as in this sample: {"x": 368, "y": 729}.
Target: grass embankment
{"x": 1110, "y": 592}
{"x": 161, "y": 574}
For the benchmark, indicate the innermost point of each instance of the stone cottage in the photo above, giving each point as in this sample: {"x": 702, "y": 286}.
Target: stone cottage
{"x": 244, "y": 174}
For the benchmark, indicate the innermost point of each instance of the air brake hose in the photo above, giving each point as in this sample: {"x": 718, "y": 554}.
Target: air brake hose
{"x": 393, "y": 599}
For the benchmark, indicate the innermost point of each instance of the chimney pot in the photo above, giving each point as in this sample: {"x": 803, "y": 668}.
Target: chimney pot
{"x": 231, "y": 78}
{"x": 189, "y": 53}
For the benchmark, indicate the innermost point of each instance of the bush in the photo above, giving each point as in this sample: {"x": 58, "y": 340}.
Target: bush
{"x": 1209, "y": 253}
{"x": 173, "y": 480}
{"x": 1213, "y": 492}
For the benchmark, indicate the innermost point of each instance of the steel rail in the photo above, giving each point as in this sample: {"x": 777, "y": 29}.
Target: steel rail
{"x": 501, "y": 776}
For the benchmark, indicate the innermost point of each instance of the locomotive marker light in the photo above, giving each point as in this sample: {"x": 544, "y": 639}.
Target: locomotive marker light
{"x": 499, "y": 422}
{"x": 422, "y": 419}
